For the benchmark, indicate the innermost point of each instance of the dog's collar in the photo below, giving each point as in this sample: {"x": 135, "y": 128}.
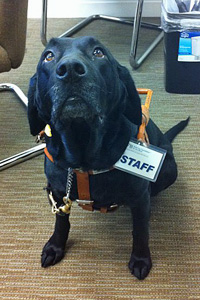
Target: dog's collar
{"x": 79, "y": 170}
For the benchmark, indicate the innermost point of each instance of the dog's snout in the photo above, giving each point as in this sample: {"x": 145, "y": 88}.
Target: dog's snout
{"x": 70, "y": 69}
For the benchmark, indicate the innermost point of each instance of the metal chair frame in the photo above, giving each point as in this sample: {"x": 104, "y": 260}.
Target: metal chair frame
{"x": 27, "y": 154}
{"x": 136, "y": 24}
{"x": 134, "y": 62}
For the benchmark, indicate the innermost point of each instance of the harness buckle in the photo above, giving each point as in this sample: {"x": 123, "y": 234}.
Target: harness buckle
{"x": 40, "y": 137}
{"x": 61, "y": 210}
{"x": 85, "y": 204}
{"x": 53, "y": 203}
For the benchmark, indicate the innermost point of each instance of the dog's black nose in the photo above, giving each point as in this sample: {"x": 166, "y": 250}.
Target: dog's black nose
{"x": 70, "y": 69}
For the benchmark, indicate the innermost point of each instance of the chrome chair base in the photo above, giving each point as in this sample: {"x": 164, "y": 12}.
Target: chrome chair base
{"x": 15, "y": 89}
{"x": 134, "y": 62}
{"x": 22, "y": 156}
{"x": 27, "y": 154}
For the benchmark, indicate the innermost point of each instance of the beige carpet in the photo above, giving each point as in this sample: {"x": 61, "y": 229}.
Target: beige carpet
{"x": 99, "y": 246}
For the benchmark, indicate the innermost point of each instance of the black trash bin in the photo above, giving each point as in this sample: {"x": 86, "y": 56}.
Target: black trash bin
{"x": 181, "y": 47}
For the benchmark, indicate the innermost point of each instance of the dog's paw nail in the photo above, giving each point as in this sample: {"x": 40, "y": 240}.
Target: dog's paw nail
{"x": 46, "y": 260}
{"x": 51, "y": 255}
{"x": 140, "y": 267}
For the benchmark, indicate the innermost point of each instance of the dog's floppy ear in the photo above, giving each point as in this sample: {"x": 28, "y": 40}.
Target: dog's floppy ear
{"x": 133, "y": 110}
{"x": 36, "y": 124}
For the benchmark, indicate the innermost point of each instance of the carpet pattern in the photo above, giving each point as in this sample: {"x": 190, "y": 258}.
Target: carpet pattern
{"x": 99, "y": 246}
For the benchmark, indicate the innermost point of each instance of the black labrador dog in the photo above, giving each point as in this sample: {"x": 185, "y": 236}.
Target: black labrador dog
{"x": 92, "y": 108}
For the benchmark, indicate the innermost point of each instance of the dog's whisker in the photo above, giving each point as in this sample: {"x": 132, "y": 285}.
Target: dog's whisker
{"x": 49, "y": 91}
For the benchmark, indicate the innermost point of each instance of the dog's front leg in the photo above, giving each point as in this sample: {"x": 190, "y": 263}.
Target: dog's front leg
{"x": 140, "y": 261}
{"x": 54, "y": 249}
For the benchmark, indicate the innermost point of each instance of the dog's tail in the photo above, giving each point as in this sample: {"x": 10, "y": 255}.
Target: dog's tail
{"x": 172, "y": 132}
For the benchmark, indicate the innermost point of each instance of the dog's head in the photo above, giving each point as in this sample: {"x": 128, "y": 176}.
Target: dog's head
{"x": 79, "y": 79}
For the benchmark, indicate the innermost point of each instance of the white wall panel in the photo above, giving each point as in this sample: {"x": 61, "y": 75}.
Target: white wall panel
{"x": 84, "y": 8}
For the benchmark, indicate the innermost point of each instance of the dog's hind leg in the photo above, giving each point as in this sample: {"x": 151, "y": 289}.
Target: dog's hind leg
{"x": 54, "y": 249}
{"x": 167, "y": 176}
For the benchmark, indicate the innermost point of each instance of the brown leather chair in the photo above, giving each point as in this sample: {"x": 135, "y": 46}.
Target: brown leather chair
{"x": 13, "y": 21}
{"x": 13, "y": 25}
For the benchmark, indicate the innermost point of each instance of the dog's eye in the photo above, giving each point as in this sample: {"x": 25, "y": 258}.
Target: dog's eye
{"x": 49, "y": 56}
{"x": 98, "y": 53}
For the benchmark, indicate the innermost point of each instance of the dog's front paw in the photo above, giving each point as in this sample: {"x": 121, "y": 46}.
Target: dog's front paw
{"x": 51, "y": 254}
{"x": 140, "y": 266}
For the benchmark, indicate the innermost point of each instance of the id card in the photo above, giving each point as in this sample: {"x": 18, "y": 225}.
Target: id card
{"x": 141, "y": 160}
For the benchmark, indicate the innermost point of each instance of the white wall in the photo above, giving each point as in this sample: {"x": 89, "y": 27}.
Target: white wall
{"x": 84, "y": 8}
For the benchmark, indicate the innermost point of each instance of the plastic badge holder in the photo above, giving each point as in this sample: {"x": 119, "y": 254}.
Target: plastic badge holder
{"x": 144, "y": 161}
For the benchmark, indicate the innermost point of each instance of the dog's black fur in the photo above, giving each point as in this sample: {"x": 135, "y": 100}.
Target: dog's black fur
{"x": 92, "y": 106}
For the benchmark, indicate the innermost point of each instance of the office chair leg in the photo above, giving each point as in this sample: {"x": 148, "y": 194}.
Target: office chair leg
{"x": 134, "y": 62}
{"x": 14, "y": 88}
{"x": 27, "y": 154}
{"x": 22, "y": 156}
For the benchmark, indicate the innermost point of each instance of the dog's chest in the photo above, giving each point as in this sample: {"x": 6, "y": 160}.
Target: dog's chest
{"x": 106, "y": 189}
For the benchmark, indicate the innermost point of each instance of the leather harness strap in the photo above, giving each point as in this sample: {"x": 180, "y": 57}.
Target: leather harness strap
{"x": 82, "y": 185}
{"x": 142, "y": 134}
{"x": 84, "y": 193}
{"x": 83, "y": 188}
{"x": 50, "y": 157}
{"x": 83, "y": 177}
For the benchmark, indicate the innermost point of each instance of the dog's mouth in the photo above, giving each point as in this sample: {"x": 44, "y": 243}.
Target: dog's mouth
{"x": 74, "y": 99}
{"x": 76, "y": 107}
